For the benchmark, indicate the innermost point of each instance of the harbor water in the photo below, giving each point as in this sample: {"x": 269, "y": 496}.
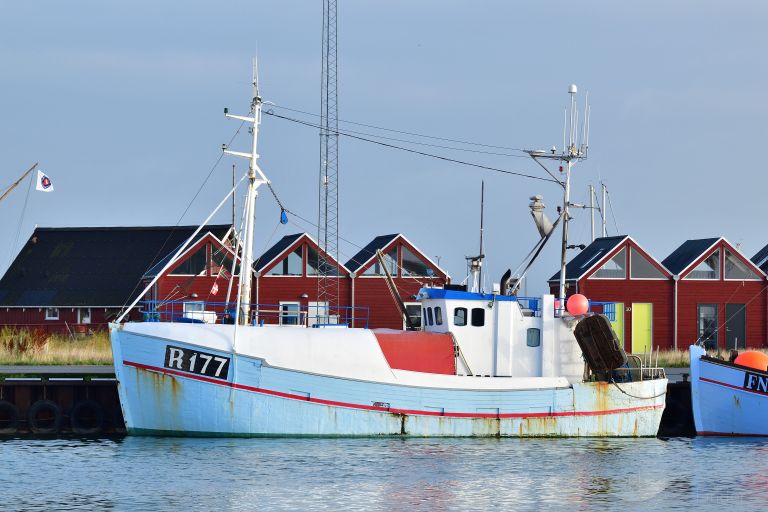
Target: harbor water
{"x": 134, "y": 473}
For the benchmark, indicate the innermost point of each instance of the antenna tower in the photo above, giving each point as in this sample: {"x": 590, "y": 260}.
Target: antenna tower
{"x": 328, "y": 213}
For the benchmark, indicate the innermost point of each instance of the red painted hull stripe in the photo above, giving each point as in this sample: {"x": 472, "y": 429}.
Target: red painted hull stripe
{"x": 729, "y": 434}
{"x": 385, "y": 409}
{"x": 754, "y": 392}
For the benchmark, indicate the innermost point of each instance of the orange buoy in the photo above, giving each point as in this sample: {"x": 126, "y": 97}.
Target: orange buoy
{"x": 577, "y": 305}
{"x": 753, "y": 359}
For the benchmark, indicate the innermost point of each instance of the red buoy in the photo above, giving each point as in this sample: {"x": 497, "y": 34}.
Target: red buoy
{"x": 753, "y": 359}
{"x": 577, "y": 305}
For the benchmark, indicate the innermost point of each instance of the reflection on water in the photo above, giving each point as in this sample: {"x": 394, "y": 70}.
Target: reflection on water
{"x": 383, "y": 474}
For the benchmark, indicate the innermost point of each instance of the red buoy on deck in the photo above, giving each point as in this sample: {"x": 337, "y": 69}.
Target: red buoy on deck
{"x": 753, "y": 359}
{"x": 577, "y": 305}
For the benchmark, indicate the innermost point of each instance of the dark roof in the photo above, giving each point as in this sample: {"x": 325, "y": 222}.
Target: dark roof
{"x": 588, "y": 257}
{"x": 88, "y": 266}
{"x": 369, "y": 251}
{"x": 761, "y": 259}
{"x": 274, "y": 251}
{"x": 687, "y": 253}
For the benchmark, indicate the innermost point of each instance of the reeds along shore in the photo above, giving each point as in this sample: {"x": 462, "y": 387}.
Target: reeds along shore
{"x": 34, "y": 347}
{"x": 30, "y": 347}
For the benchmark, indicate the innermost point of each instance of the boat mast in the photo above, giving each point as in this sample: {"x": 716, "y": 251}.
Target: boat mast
{"x": 576, "y": 150}
{"x": 256, "y": 178}
{"x": 16, "y": 183}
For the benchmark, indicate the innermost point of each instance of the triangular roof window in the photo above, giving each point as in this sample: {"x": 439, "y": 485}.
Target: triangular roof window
{"x": 641, "y": 268}
{"x": 615, "y": 268}
{"x": 707, "y": 269}
{"x": 737, "y": 269}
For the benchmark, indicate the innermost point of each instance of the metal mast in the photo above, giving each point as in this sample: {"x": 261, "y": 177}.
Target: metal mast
{"x": 256, "y": 178}
{"x": 328, "y": 214}
{"x": 576, "y": 149}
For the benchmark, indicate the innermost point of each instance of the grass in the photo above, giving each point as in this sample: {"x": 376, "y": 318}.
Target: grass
{"x": 29, "y": 347}
{"x": 680, "y": 358}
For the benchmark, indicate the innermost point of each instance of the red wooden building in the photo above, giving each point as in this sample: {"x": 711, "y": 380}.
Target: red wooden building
{"x": 77, "y": 279}
{"x": 616, "y": 269}
{"x": 286, "y": 282}
{"x": 704, "y": 290}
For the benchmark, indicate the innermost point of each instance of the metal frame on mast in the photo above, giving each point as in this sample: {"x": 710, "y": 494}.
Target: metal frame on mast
{"x": 328, "y": 209}
{"x": 256, "y": 178}
{"x": 575, "y": 150}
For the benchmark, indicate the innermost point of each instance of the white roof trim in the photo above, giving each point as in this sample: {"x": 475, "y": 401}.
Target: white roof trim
{"x": 280, "y": 254}
{"x": 421, "y": 253}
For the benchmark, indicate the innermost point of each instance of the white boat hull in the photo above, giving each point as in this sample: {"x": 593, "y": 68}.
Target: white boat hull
{"x": 726, "y": 400}
{"x": 258, "y": 399}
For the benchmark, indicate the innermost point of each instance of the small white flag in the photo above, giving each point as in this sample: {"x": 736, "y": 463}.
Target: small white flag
{"x": 44, "y": 183}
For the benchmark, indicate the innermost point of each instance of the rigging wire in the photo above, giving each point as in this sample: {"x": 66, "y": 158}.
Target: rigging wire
{"x": 610, "y": 207}
{"x": 410, "y": 150}
{"x": 21, "y": 221}
{"x": 403, "y": 132}
{"x": 189, "y": 205}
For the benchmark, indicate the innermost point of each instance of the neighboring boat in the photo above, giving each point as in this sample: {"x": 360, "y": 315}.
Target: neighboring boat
{"x": 484, "y": 365}
{"x": 728, "y": 398}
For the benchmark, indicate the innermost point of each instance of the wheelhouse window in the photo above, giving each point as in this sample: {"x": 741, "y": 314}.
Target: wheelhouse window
{"x": 707, "y": 269}
{"x": 737, "y": 269}
{"x": 291, "y": 265}
{"x": 430, "y": 320}
{"x": 315, "y": 264}
{"x": 51, "y": 313}
{"x": 478, "y": 317}
{"x": 615, "y": 268}
{"x": 413, "y": 266}
{"x": 533, "y": 337}
{"x": 194, "y": 265}
{"x": 289, "y": 313}
{"x": 414, "y": 313}
{"x": 438, "y": 316}
{"x": 460, "y": 317}
{"x": 641, "y": 268}
{"x": 707, "y": 324}
{"x": 390, "y": 260}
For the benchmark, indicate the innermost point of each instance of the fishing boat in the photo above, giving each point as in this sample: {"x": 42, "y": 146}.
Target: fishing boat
{"x": 484, "y": 364}
{"x": 729, "y": 398}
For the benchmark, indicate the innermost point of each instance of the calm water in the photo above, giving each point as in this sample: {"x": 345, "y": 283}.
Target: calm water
{"x": 383, "y": 474}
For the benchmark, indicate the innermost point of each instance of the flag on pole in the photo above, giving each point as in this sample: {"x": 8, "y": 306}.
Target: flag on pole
{"x": 215, "y": 289}
{"x": 44, "y": 183}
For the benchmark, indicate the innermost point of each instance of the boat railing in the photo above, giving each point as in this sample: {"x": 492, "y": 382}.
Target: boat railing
{"x": 636, "y": 370}
{"x": 532, "y": 307}
{"x": 283, "y": 314}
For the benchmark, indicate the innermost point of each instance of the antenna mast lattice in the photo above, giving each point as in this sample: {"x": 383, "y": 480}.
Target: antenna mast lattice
{"x": 328, "y": 214}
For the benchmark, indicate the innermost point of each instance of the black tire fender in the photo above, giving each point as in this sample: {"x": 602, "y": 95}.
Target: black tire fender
{"x": 40, "y": 425}
{"x": 11, "y": 424}
{"x": 87, "y": 417}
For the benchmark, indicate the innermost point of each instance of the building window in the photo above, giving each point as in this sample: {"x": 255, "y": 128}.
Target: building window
{"x": 413, "y": 266}
{"x": 736, "y": 269}
{"x": 84, "y": 315}
{"x": 478, "y": 317}
{"x": 438, "y": 316}
{"x": 641, "y": 268}
{"x": 221, "y": 263}
{"x": 291, "y": 265}
{"x": 194, "y": 265}
{"x": 414, "y": 313}
{"x": 460, "y": 317}
{"x": 707, "y": 269}
{"x": 615, "y": 268}
{"x": 314, "y": 264}
{"x": 533, "y": 337}
{"x": 289, "y": 313}
{"x": 707, "y": 324}
{"x": 390, "y": 260}
{"x": 51, "y": 313}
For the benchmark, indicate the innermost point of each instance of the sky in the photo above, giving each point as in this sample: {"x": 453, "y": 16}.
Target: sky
{"x": 122, "y": 106}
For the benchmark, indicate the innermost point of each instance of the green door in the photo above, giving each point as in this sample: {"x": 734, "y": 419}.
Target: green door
{"x": 642, "y": 339}
{"x": 618, "y": 323}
